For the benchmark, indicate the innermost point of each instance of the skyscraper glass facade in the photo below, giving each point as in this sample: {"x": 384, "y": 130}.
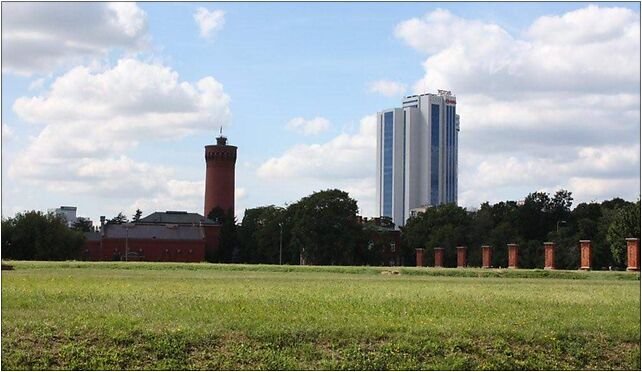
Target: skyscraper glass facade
{"x": 417, "y": 155}
{"x": 387, "y": 164}
{"x": 450, "y": 155}
{"x": 434, "y": 154}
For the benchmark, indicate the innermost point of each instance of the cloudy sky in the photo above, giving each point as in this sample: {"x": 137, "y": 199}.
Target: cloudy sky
{"x": 108, "y": 106}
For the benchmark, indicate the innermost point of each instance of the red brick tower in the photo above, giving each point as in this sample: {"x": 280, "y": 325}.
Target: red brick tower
{"x": 219, "y": 176}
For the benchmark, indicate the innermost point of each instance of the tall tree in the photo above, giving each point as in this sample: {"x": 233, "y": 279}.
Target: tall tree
{"x": 625, "y": 224}
{"x": 228, "y": 250}
{"x": 325, "y": 227}
{"x": 137, "y": 215}
{"x": 446, "y": 226}
{"x": 259, "y": 235}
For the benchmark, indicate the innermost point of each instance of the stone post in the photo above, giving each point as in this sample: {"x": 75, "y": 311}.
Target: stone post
{"x": 486, "y": 257}
{"x": 585, "y": 254}
{"x": 461, "y": 257}
{"x": 439, "y": 257}
{"x": 420, "y": 257}
{"x": 549, "y": 256}
{"x": 633, "y": 254}
{"x": 513, "y": 256}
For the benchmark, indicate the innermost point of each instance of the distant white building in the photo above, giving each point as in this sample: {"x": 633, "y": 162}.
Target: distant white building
{"x": 66, "y": 212}
{"x": 417, "y": 155}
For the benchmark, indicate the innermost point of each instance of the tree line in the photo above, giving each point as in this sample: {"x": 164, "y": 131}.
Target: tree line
{"x": 37, "y": 236}
{"x": 323, "y": 229}
{"x": 539, "y": 218}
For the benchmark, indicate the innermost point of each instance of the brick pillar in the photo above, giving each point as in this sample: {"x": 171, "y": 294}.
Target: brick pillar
{"x": 486, "y": 256}
{"x": 549, "y": 256}
{"x": 439, "y": 257}
{"x": 513, "y": 256}
{"x": 420, "y": 257}
{"x": 633, "y": 254}
{"x": 461, "y": 257}
{"x": 585, "y": 254}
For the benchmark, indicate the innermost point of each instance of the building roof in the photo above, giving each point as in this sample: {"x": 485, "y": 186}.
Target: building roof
{"x": 160, "y": 232}
{"x": 176, "y": 217}
{"x": 92, "y": 235}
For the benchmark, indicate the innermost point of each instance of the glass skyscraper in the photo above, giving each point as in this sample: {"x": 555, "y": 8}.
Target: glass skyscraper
{"x": 417, "y": 155}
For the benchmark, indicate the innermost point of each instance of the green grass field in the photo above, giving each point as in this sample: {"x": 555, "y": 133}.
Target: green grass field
{"x": 201, "y": 316}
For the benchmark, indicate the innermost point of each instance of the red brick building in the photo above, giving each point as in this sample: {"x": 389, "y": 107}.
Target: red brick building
{"x": 176, "y": 236}
{"x": 173, "y": 236}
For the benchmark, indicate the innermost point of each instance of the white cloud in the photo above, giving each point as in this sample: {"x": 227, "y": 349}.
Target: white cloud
{"x": 209, "y": 21}
{"x": 344, "y": 162}
{"x": 128, "y": 17}
{"x": 7, "y": 132}
{"x": 131, "y": 101}
{"x": 308, "y": 127}
{"x": 387, "y": 88}
{"x": 41, "y": 37}
{"x": 584, "y": 26}
{"x": 173, "y": 195}
{"x": 91, "y": 119}
{"x": 341, "y": 157}
{"x": 472, "y": 57}
{"x": 560, "y": 105}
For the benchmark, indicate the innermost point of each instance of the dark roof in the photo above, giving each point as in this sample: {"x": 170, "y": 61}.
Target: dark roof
{"x": 176, "y": 217}
{"x": 92, "y": 235}
{"x": 161, "y": 232}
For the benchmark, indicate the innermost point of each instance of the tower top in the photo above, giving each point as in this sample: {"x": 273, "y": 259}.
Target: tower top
{"x": 221, "y": 140}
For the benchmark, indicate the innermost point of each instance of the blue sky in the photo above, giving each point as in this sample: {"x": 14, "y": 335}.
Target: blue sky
{"x": 281, "y": 61}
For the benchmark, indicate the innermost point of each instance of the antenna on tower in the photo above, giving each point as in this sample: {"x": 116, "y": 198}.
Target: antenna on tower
{"x": 221, "y": 131}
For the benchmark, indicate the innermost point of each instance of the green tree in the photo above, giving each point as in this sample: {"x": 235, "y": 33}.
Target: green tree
{"x": 562, "y": 202}
{"x": 216, "y": 214}
{"x": 36, "y": 236}
{"x": 325, "y": 227}
{"x": 625, "y": 224}
{"x": 259, "y": 235}
{"x": 372, "y": 242}
{"x": 82, "y": 224}
{"x": 534, "y": 218}
{"x": 228, "y": 246}
{"x": 228, "y": 243}
{"x": 446, "y": 226}
{"x": 137, "y": 215}
{"x": 119, "y": 219}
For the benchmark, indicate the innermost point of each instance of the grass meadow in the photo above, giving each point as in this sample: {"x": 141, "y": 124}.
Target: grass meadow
{"x": 74, "y": 315}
